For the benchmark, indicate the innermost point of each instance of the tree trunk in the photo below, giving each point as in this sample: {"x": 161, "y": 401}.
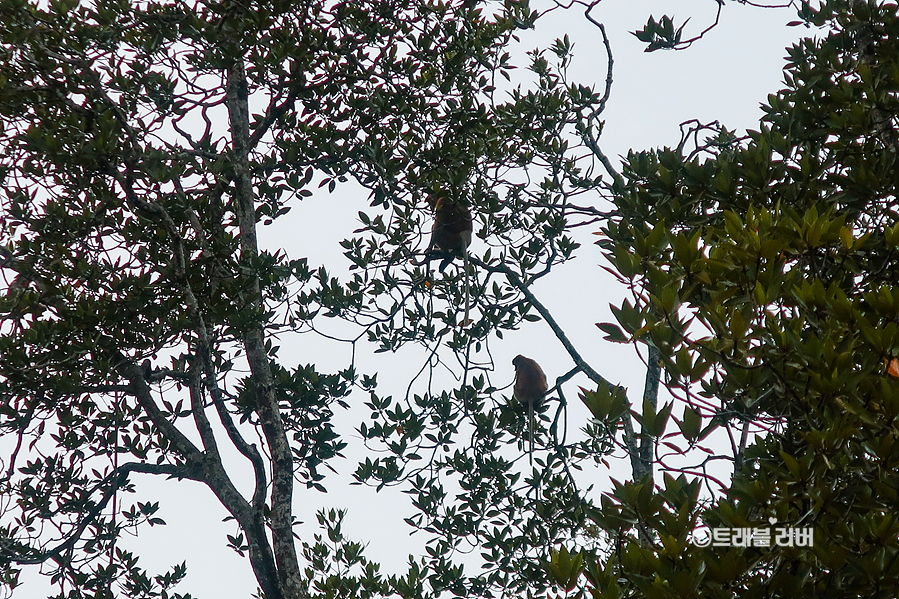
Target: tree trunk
{"x": 281, "y": 504}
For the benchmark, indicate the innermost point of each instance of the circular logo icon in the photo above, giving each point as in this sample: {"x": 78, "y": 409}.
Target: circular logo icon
{"x": 701, "y": 537}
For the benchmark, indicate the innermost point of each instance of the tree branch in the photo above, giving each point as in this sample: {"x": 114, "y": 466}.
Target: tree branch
{"x": 112, "y": 483}
{"x": 651, "y": 398}
{"x": 516, "y": 282}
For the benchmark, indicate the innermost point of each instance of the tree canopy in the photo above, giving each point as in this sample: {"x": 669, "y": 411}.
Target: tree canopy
{"x": 762, "y": 269}
{"x": 143, "y": 146}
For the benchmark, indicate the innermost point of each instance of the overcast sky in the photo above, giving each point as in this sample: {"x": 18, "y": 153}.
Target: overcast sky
{"x": 723, "y": 77}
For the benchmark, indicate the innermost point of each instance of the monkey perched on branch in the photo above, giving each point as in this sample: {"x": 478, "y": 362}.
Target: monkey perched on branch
{"x": 450, "y": 236}
{"x": 451, "y": 231}
{"x": 529, "y": 389}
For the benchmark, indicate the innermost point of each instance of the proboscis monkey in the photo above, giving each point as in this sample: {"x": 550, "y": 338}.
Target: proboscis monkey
{"x": 450, "y": 236}
{"x": 530, "y": 389}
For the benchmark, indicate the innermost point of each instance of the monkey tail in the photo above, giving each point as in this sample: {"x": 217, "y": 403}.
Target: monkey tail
{"x": 465, "y": 266}
{"x": 465, "y": 318}
{"x": 531, "y": 433}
